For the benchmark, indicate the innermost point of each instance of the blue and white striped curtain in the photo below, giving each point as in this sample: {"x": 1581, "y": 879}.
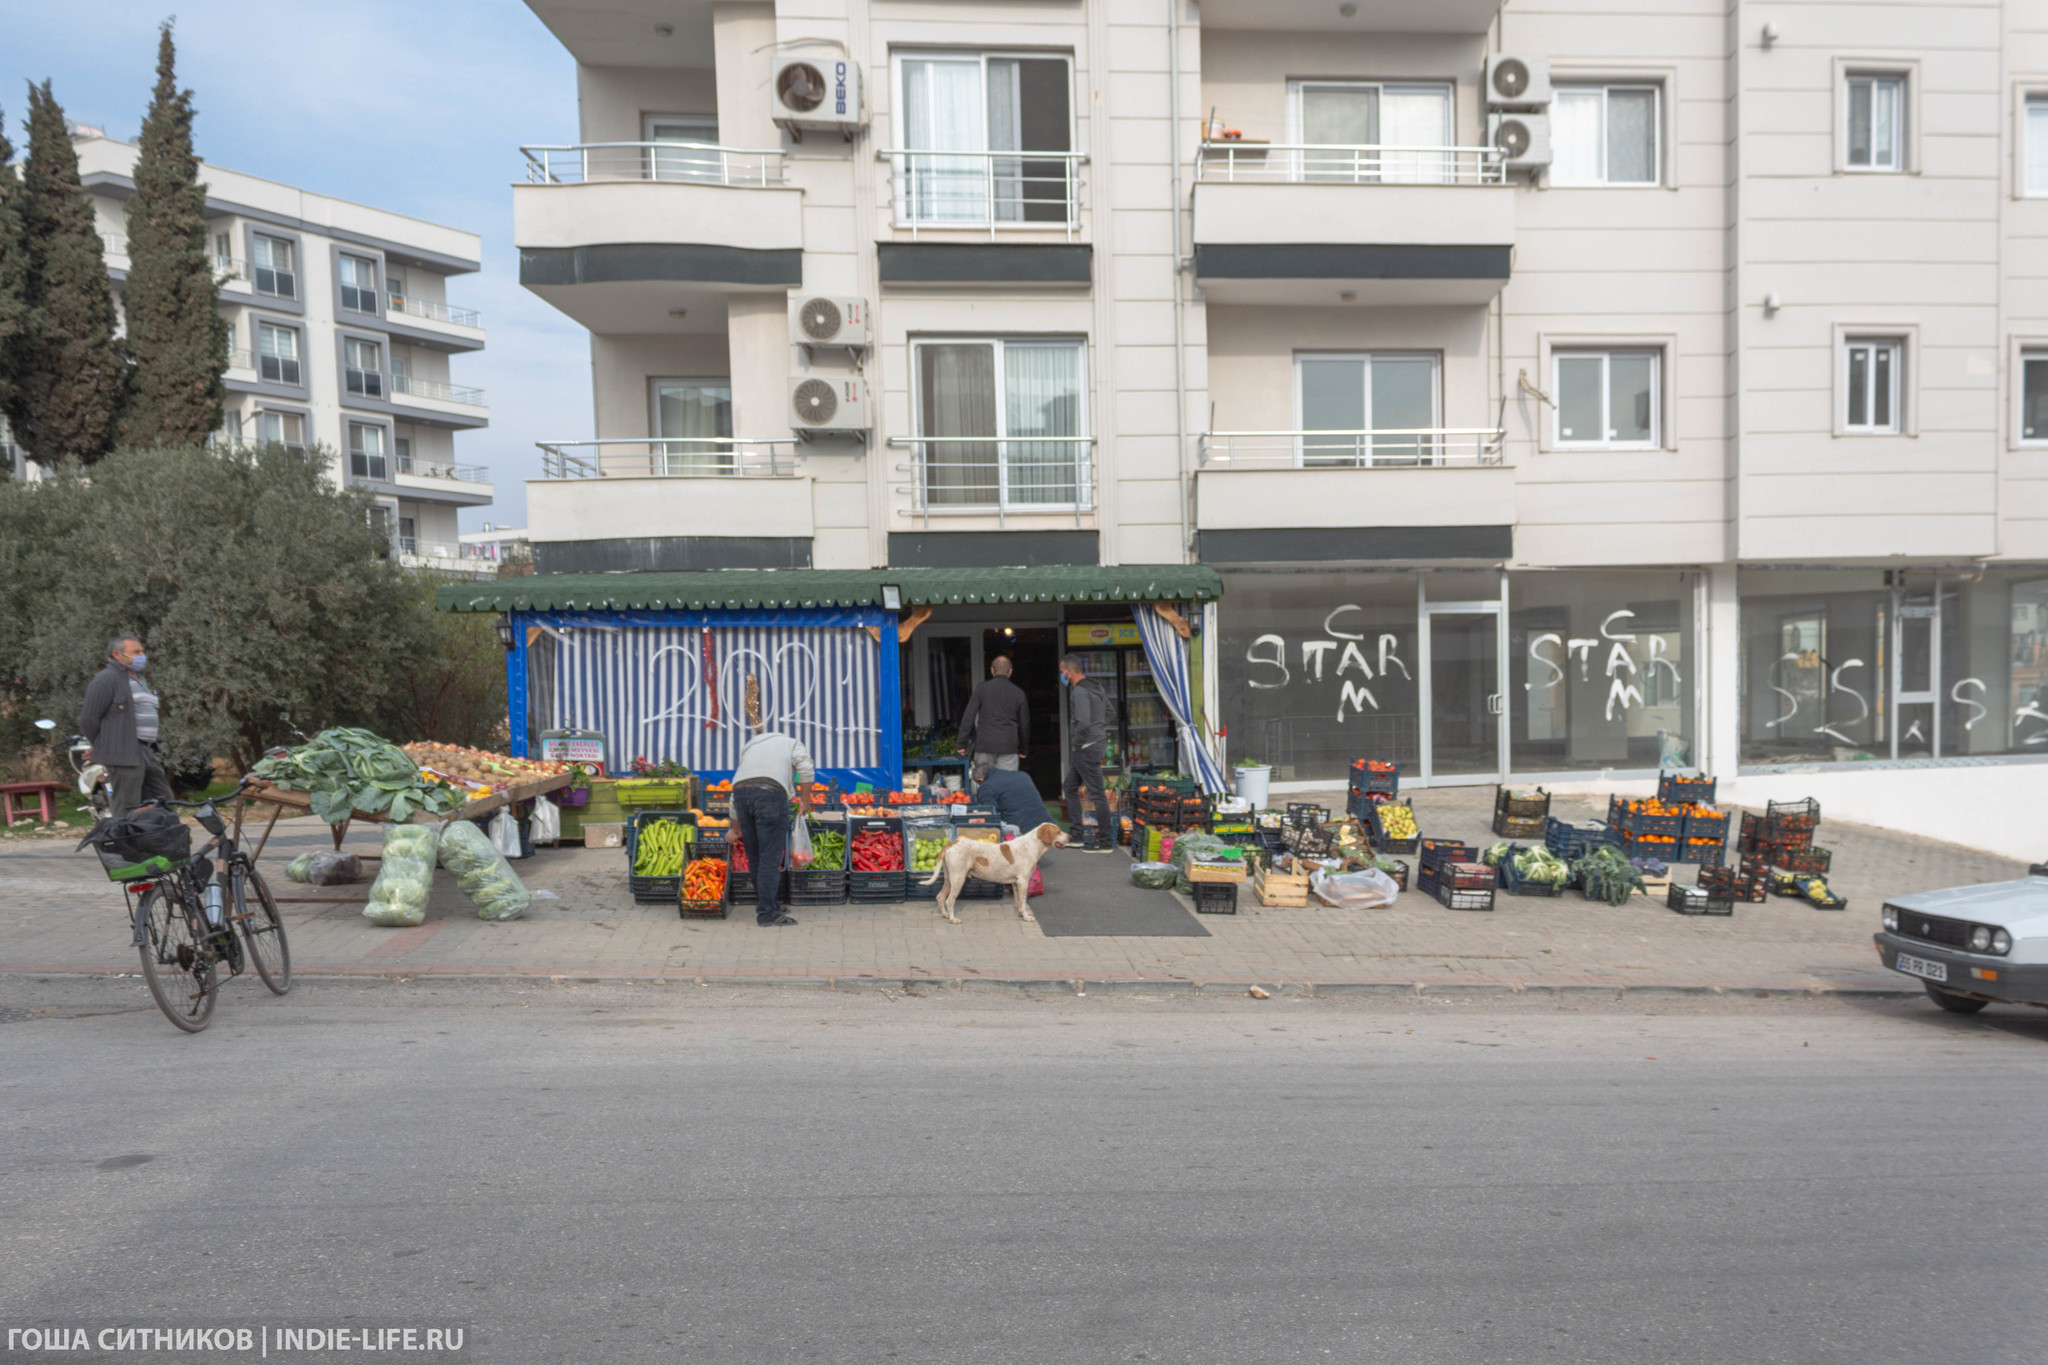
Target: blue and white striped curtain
{"x": 643, "y": 687}
{"x": 1168, "y": 655}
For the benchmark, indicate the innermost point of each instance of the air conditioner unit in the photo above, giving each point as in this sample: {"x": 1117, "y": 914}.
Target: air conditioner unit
{"x": 823, "y": 321}
{"x": 1521, "y": 139}
{"x": 820, "y": 403}
{"x": 1517, "y": 82}
{"x": 817, "y": 90}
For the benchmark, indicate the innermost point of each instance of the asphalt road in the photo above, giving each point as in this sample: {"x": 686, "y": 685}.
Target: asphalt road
{"x": 609, "y": 1174}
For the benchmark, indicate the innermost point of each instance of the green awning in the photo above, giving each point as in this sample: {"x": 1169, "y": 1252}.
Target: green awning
{"x": 798, "y": 589}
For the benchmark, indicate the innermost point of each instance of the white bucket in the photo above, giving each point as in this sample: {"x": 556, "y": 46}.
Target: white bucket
{"x": 1252, "y": 784}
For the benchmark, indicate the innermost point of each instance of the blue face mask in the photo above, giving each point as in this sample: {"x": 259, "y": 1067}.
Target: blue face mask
{"x": 138, "y": 662}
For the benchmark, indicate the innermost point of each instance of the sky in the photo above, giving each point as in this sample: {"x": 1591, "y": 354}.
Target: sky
{"x": 419, "y": 108}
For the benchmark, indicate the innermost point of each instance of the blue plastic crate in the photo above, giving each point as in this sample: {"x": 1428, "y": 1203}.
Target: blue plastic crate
{"x": 1570, "y": 842}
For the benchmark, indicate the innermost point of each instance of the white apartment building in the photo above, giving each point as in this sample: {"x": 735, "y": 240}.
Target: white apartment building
{"x": 341, "y": 335}
{"x": 1558, "y": 393}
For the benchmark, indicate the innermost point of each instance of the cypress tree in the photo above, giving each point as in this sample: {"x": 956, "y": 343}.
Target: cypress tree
{"x": 176, "y": 333}
{"x": 13, "y": 274}
{"x": 68, "y": 386}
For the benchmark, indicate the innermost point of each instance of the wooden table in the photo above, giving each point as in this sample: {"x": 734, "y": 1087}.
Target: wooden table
{"x": 279, "y": 800}
{"x": 42, "y": 796}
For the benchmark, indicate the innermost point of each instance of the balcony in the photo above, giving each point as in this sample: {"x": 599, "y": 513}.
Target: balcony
{"x": 443, "y": 556}
{"x": 1325, "y": 224}
{"x": 997, "y": 478}
{"x": 1410, "y": 494}
{"x": 1468, "y": 18}
{"x": 434, "y": 402}
{"x": 437, "y": 469}
{"x": 654, "y": 489}
{"x": 636, "y": 236}
{"x": 435, "y": 324}
{"x": 231, "y": 273}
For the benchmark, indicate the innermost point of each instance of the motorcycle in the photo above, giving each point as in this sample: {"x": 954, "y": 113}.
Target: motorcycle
{"x": 95, "y": 784}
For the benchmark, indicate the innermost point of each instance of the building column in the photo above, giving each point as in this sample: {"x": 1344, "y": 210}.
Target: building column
{"x": 1721, "y": 676}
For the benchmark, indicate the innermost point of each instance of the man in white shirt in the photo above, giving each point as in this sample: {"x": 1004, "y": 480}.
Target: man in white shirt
{"x": 772, "y": 768}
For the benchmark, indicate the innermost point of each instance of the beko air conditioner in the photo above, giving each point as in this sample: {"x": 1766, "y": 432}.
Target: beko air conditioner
{"x": 817, "y": 90}
{"x": 1517, "y": 82}
{"x": 822, "y": 404}
{"x": 824, "y": 321}
{"x": 1523, "y": 140}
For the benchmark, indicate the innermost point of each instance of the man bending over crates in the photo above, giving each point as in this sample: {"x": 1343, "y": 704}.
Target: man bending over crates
{"x": 773, "y": 767}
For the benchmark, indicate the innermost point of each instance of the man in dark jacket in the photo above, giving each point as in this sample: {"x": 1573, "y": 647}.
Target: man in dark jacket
{"x": 996, "y": 725}
{"x": 1087, "y": 740}
{"x": 119, "y": 720}
{"x": 1013, "y": 794}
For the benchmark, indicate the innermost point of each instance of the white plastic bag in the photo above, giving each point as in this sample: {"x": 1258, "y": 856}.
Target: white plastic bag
{"x": 545, "y": 824}
{"x": 482, "y": 872}
{"x": 505, "y": 834}
{"x": 1371, "y": 889}
{"x": 800, "y": 852}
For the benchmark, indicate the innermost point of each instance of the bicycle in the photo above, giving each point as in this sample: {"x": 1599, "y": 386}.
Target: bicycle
{"x": 193, "y": 918}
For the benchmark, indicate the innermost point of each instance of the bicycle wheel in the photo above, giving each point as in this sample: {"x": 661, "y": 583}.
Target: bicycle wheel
{"x": 262, "y": 929}
{"x": 177, "y": 962}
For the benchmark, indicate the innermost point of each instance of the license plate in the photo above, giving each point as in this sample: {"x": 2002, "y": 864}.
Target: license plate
{"x": 1921, "y": 967}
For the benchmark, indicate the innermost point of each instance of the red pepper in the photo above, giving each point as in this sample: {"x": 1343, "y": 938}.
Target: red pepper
{"x": 877, "y": 850}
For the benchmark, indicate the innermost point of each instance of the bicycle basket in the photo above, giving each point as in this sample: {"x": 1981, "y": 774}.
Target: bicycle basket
{"x": 122, "y": 869}
{"x": 139, "y": 838}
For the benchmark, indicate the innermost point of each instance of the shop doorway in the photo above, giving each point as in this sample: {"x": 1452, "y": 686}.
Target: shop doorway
{"x": 1464, "y": 658}
{"x": 1035, "y": 657}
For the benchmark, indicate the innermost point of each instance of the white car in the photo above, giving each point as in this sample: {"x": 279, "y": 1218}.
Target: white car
{"x": 1971, "y": 945}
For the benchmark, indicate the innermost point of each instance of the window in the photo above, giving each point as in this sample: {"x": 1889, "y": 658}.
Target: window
{"x": 961, "y": 113}
{"x": 1872, "y": 385}
{"x": 1876, "y": 122}
{"x": 2034, "y": 396}
{"x": 1604, "y": 135}
{"x": 366, "y": 452}
{"x": 275, "y": 274}
{"x": 1349, "y": 405}
{"x": 394, "y": 287}
{"x": 231, "y": 427}
{"x": 362, "y": 367}
{"x": 693, "y": 419}
{"x": 1626, "y": 702}
{"x": 1350, "y": 114}
{"x": 286, "y": 429}
{"x": 277, "y": 354}
{"x": 685, "y": 162}
{"x": 401, "y": 448}
{"x": 222, "y": 245}
{"x": 408, "y": 535}
{"x": 1606, "y": 399}
{"x": 359, "y": 284}
{"x": 1027, "y": 396}
{"x": 2034, "y": 141}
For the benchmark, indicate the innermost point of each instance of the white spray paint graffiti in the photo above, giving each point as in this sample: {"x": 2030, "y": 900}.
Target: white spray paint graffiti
{"x": 1353, "y": 694}
{"x": 1621, "y": 668}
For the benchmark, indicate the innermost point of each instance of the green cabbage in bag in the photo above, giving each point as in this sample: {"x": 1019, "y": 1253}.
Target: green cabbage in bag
{"x": 398, "y": 898}
{"x": 296, "y": 868}
{"x": 482, "y": 873}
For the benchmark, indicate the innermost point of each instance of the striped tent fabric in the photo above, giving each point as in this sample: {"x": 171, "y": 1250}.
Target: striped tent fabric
{"x": 1168, "y": 655}
{"x": 643, "y": 688}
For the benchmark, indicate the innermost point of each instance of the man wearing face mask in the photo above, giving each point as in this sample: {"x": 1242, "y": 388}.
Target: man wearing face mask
{"x": 119, "y": 719}
{"x": 1088, "y": 718}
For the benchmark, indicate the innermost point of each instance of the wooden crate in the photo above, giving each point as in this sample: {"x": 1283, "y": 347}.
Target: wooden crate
{"x": 1281, "y": 889}
{"x": 1215, "y": 872}
{"x": 1656, "y": 888}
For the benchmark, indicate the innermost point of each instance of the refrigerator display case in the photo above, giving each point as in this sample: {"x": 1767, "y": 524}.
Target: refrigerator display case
{"x": 1144, "y": 735}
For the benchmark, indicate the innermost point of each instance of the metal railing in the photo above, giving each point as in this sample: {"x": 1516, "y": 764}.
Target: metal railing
{"x": 696, "y": 457}
{"x": 440, "y": 469}
{"x": 241, "y": 358}
{"x": 224, "y": 267}
{"x": 417, "y": 387}
{"x": 438, "y": 312}
{"x": 995, "y": 191}
{"x": 1010, "y": 475}
{"x": 689, "y": 163}
{"x": 1382, "y": 448}
{"x": 1314, "y": 164}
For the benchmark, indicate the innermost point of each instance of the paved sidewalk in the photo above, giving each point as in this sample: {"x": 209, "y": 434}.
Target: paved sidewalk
{"x": 57, "y": 914}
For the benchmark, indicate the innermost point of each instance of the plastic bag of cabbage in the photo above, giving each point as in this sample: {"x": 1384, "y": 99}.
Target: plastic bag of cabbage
{"x": 399, "y": 896}
{"x": 482, "y": 872}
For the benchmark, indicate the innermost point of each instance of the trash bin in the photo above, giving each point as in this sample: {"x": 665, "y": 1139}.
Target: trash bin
{"x": 1253, "y": 782}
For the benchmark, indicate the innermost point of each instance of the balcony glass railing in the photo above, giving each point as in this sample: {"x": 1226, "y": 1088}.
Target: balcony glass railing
{"x": 433, "y": 388}
{"x": 978, "y": 475}
{"x": 363, "y": 383}
{"x": 434, "y": 310}
{"x": 995, "y": 191}
{"x": 697, "y": 457}
{"x": 1310, "y": 164}
{"x": 241, "y": 358}
{"x": 1382, "y": 448}
{"x": 697, "y": 163}
{"x": 440, "y": 469}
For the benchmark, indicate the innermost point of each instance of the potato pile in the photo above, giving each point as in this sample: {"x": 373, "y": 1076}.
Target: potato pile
{"x": 480, "y": 767}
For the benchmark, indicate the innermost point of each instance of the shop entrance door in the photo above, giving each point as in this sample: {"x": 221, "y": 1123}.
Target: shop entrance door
{"x": 1035, "y": 666}
{"x": 1464, "y": 693}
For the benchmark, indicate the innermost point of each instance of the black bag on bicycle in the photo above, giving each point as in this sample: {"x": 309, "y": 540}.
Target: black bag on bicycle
{"x": 145, "y": 842}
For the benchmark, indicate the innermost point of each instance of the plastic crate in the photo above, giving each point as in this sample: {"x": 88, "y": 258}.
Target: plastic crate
{"x": 1507, "y": 801}
{"x": 1311, "y": 841}
{"x": 1437, "y": 852}
{"x": 1515, "y": 884}
{"x": 913, "y": 880}
{"x": 1685, "y": 791}
{"x": 706, "y": 909}
{"x": 1708, "y": 825}
{"x": 1463, "y": 876}
{"x": 1664, "y": 848}
{"x": 1571, "y": 842}
{"x": 1697, "y": 900}
{"x": 1368, "y": 780}
{"x": 1802, "y": 814}
{"x": 874, "y": 888}
{"x": 1520, "y": 826}
{"x": 653, "y": 890}
{"x": 1636, "y": 822}
{"x": 1381, "y": 843}
{"x": 1704, "y": 852}
{"x": 814, "y": 886}
{"x": 1814, "y": 861}
{"x": 1454, "y": 898}
{"x": 1215, "y": 898}
{"x": 640, "y": 793}
{"x": 1305, "y": 813}
{"x": 1399, "y": 873}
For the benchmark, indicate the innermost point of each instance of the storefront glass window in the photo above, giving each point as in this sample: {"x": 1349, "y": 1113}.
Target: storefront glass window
{"x": 1600, "y": 671}
{"x": 1317, "y": 669}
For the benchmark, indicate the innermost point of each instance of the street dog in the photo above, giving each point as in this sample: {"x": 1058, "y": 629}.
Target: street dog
{"x": 1009, "y": 862}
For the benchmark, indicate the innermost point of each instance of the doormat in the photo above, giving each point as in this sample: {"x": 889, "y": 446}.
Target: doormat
{"x": 1089, "y": 895}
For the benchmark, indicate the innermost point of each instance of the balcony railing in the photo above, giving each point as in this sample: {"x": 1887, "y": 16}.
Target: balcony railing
{"x": 224, "y": 267}
{"x": 698, "y": 457}
{"x": 433, "y": 388}
{"x": 1383, "y": 448}
{"x": 241, "y": 358}
{"x": 363, "y": 383}
{"x": 979, "y": 475}
{"x": 438, "y": 312}
{"x": 690, "y": 163}
{"x": 992, "y": 191}
{"x": 1311, "y": 164}
{"x": 438, "y": 469}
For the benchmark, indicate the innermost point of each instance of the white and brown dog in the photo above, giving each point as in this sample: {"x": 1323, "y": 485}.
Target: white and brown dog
{"x": 1009, "y": 862}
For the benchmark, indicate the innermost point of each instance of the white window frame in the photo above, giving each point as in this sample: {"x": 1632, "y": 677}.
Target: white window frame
{"x": 354, "y": 452}
{"x": 1421, "y": 172}
{"x": 2032, "y": 100}
{"x": 297, "y": 359}
{"x": 354, "y": 264}
{"x": 1558, "y": 354}
{"x": 1895, "y": 81}
{"x": 1429, "y": 447}
{"x": 371, "y": 382}
{"x": 1080, "y": 441}
{"x": 1606, "y": 88}
{"x": 683, "y": 164}
{"x": 263, "y": 418}
{"x": 2025, "y": 353}
{"x": 1897, "y": 385}
{"x": 675, "y": 462}
{"x": 900, "y": 213}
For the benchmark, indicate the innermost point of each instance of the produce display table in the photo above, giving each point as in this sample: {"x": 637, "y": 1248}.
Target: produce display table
{"x": 279, "y": 800}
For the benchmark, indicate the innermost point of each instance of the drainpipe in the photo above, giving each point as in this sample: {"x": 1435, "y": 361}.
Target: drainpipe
{"x": 1180, "y": 354}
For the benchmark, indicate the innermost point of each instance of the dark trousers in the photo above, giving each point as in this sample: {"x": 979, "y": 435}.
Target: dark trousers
{"x": 133, "y": 785}
{"x": 1084, "y": 769}
{"x": 760, "y": 816}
